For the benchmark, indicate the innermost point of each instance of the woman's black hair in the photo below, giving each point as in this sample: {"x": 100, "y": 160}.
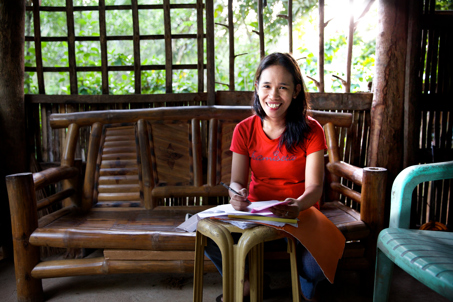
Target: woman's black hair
{"x": 297, "y": 125}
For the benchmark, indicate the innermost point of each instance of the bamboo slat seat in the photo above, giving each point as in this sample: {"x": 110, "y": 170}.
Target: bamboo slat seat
{"x": 148, "y": 230}
{"x": 347, "y": 220}
{"x": 145, "y": 170}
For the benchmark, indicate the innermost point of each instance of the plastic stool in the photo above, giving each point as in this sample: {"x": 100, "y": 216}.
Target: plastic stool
{"x": 252, "y": 240}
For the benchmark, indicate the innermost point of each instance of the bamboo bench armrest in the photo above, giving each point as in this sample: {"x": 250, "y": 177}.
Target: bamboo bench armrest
{"x": 345, "y": 170}
{"x": 53, "y": 175}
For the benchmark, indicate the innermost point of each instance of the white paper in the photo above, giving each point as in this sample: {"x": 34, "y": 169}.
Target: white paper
{"x": 190, "y": 225}
{"x": 224, "y": 210}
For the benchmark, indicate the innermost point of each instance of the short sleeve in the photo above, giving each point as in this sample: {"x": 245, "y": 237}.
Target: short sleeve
{"x": 316, "y": 138}
{"x": 239, "y": 140}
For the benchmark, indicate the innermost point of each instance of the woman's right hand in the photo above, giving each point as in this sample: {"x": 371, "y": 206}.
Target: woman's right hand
{"x": 240, "y": 202}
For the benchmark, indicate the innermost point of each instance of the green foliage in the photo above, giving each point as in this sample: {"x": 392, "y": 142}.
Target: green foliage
{"x": 153, "y": 81}
{"x": 444, "y": 5}
{"x": 89, "y": 83}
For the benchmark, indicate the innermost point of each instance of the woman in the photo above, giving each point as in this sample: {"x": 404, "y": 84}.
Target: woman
{"x": 284, "y": 149}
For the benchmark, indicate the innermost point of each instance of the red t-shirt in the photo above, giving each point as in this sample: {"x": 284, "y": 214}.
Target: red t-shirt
{"x": 276, "y": 174}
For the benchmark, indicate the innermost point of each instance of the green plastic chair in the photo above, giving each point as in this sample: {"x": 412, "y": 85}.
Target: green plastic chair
{"x": 425, "y": 255}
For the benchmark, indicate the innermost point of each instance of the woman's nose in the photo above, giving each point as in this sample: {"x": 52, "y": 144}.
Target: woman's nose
{"x": 274, "y": 93}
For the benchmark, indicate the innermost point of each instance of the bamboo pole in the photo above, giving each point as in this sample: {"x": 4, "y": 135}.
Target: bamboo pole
{"x": 321, "y": 46}
{"x": 346, "y": 191}
{"x": 145, "y": 162}
{"x": 44, "y": 127}
{"x": 137, "y": 64}
{"x": 168, "y": 49}
{"x": 67, "y": 156}
{"x": 67, "y": 159}
{"x": 24, "y": 221}
{"x": 50, "y": 132}
{"x": 350, "y": 44}
{"x": 290, "y": 25}
{"x": 101, "y": 266}
{"x": 170, "y": 113}
{"x": 372, "y": 210}
{"x": 346, "y": 170}
{"x": 103, "y": 39}
{"x": 38, "y": 47}
{"x": 200, "y": 47}
{"x": 196, "y": 153}
{"x": 261, "y": 28}
{"x": 210, "y": 49}
{"x": 48, "y": 201}
{"x": 71, "y": 47}
{"x": 212, "y": 159}
{"x": 231, "y": 41}
{"x": 93, "y": 149}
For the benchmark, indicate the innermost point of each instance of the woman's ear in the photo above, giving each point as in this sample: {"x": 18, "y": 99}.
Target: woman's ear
{"x": 256, "y": 85}
{"x": 297, "y": 90}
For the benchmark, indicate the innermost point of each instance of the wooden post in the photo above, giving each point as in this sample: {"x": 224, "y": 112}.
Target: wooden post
{"x": 350, "y": 44}
{"x": 321, "y": 46}
{"x": 13, "y": 151}
{"x": 290, "y": 25}
{"x": 103, "y": 39}
{"x": 412, "y": 85}
{"x": 168, "y": 49}
{"x": 372, "y": 212}
{"x": 71, "y": 47}
{"x": 137, "y": 61}
{"x": 24, "y": 220}
{"x": 38, "y": 47}
{"x": 261, "y": 28}
{"x": 231, "y": 41}
{"x": 386, "y": 133}
{"x": 210, "y": 57}
{"x": 200, "y": 45}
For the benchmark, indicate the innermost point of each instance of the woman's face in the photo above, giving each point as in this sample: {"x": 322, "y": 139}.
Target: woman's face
{"x": 276, "y": 91}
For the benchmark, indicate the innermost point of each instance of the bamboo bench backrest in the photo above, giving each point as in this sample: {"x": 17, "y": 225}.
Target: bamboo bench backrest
{"x": 141, "y": 157}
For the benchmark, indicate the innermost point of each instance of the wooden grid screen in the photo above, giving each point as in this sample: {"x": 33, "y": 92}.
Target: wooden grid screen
{"x": 136, "y": 38}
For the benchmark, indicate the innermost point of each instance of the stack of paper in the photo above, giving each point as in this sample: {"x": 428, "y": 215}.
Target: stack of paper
{"x": 256, "y": 212}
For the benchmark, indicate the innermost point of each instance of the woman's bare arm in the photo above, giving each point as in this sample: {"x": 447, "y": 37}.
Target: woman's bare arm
{"x": 239, "y": 180}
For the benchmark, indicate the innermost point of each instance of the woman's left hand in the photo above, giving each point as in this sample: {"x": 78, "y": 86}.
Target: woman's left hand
{"x": 290, "y": 210}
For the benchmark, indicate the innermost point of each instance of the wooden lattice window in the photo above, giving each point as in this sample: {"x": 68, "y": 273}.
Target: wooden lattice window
{"x": 86, "y": 33}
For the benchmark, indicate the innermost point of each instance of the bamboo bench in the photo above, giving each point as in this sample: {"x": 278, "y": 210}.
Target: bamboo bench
{"x": 145, "y": 170}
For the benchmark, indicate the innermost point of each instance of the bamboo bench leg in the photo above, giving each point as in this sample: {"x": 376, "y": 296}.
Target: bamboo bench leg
{"x": 24, "y": 220}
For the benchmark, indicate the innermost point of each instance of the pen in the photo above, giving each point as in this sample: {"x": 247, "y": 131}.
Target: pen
{"x": 229, "y": 188}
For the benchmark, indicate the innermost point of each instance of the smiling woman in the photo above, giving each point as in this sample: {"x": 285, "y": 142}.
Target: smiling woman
{"x": 284, "y": 150}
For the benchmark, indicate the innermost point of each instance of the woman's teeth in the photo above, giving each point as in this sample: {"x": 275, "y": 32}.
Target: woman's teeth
{"x": 273, "y": 106}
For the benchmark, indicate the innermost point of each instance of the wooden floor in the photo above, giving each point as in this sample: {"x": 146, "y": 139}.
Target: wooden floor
{"x": 178, "y": 287}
